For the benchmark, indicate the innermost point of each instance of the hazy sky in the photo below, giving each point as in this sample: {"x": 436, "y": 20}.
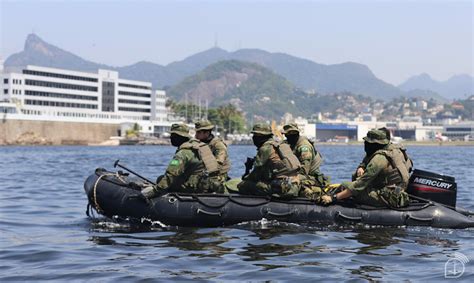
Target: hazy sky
{"x": 396, "y": 39}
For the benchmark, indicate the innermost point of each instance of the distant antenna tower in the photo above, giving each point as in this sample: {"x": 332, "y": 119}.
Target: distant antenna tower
{"x": 216, "y": 40}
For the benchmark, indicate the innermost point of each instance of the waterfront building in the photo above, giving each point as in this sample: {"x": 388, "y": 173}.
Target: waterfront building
{"x": 460, "y": 131}
{"x": 427, "y": 132}
{"x": 51, "y": 94}
{"x": 334, "y": 131}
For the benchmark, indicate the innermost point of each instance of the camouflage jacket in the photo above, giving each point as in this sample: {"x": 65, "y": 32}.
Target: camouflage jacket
{"x": 184, "y": 171}
{"x": 379, "y": 170}
{"x": 308, "y": 156}
{"x": 267, "y": 162}
{"x": 366, "y": 159}
{"x": 219, "y": 150}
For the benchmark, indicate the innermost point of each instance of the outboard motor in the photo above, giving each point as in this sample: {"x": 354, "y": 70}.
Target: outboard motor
{"x": 432, "y": 186}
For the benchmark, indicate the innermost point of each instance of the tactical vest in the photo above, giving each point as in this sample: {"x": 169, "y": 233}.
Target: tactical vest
{"x": 225, "y": 167}
{"x": 205, "y": 155}
{"x": 285, "y": 161}
{"x": 317, "y": 160}
{"x": 400, "y": 164}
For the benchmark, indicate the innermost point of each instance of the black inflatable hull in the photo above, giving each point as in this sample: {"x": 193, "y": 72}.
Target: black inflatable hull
{"x": 112, "y": 197}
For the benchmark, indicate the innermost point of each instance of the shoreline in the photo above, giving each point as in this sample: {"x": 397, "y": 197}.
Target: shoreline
{"x": 409, "y": 143}
{"x": 166, "y": 143}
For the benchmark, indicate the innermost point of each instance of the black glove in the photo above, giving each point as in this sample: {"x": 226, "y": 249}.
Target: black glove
{"x": 249, "y": 163}
{"x": 248, "y": 166}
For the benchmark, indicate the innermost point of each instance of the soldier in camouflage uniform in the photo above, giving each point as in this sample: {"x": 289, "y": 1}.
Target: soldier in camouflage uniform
{"x": 275, "y": 168}
{"x": 187, "y": 171}
{"x": 385, "y": 178}
{"x": 361, "y": 168}
{"x": 218, "y": 147}
{"x": 306, "y": 152}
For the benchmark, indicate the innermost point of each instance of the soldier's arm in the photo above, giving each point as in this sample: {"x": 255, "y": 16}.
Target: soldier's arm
{"x": 258, "y": 166}
{"x": 221, "y": 152}
{"x": 373, "y": 169}
{"x": 360, "y": 169}
{"x": 175, "y": 169}
{"x": 305, "y": 155}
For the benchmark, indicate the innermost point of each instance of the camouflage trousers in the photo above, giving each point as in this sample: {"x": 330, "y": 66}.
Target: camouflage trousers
{"x": 214, "y": 184}
{"x": 311, "y": 189}
{"x": 390, "y": 196}
{"x": 287, "y": 187}
{"x": 201, "y": 184}
{"x": 321, "y": 179}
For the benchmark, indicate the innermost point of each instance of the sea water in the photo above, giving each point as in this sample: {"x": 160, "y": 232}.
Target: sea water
{"x": 46, "y": 235}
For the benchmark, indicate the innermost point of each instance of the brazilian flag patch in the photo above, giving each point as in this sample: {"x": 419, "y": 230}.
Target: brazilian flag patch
{"x": 304, "y": 148}
{"x": 174, "y": 162}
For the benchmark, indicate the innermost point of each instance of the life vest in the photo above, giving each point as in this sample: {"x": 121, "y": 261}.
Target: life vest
{"x": 285, "y": 161}
{"x": 400, "y": 164}
{"x": 225, "y": 167}
{"x": 205, "y": 155}
{"x": 317, "y": 159}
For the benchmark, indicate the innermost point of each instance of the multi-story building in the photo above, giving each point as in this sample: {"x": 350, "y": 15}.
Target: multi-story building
{"x": 51, "y": 94}
{"x": 460, "y": 131}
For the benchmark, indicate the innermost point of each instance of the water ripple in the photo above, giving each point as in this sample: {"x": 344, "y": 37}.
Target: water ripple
{"x": 45, "y": 235}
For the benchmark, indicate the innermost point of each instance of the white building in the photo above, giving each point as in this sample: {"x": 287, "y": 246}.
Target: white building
{"x": 427, "y": 133}
{"x": 51, "y": 94}
{"x": 460, "y": 131}
{"x": 306, "y": 129}
{"x": 158, "y": 101}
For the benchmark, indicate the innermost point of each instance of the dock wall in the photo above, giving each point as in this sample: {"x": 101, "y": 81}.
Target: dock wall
{"x": 54, "y": 132}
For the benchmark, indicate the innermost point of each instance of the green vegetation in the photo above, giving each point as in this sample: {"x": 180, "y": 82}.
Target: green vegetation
{"x": 262, "y": 95}
{"x": 133, "y": 132}
{"x": 226, "y": 117}
{"x": 466, "y": 110}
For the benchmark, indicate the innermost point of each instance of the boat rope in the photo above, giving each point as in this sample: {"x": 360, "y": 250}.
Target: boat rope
{"x": 96, "y": 203}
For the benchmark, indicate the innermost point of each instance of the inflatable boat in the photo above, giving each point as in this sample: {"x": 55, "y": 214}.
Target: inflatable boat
{"x": 117, "y": 194}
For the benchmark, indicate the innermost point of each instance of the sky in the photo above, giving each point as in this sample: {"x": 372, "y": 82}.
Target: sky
{"x": 395, "y": 39}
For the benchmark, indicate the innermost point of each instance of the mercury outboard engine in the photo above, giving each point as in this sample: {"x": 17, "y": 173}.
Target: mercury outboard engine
{"x": 432, "y": 186}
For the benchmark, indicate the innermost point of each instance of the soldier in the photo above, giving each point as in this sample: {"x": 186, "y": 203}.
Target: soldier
{"x": 218, "y": 147}
{"x": 188, "y": 171}
{"x": 306, "y": 152}
{"x": 385, "y": 178}
{"x": 361, "y": 168}
{"x": 275, "y": 168}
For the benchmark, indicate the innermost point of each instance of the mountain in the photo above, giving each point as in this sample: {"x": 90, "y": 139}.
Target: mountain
{"x": 308, "y": 75}
{"x": 457, "y": 87}
{"x": 260, "y": 93}
{"x": 249, "y": 86}
{"x": 38, "y": 52}
{"x": 304, "y": 74}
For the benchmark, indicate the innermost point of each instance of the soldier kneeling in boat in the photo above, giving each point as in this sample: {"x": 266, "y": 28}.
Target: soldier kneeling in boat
{"x": 307, "y": 154}
{"x": 276, "y": 170}
{"x": 383, "y": 175}
{"x": 217, "y": 145}
{"x": 193, "y": 169}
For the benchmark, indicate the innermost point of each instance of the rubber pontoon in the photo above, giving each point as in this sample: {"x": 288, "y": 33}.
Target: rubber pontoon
{"x": 111, "y": 194}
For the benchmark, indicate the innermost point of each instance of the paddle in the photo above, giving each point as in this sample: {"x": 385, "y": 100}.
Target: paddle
{"x": 133, "y": 172}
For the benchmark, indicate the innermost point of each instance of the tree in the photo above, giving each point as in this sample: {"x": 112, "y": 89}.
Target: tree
{"x": 227, "y": 118}
{"x": 133, "y": 132}
{"x": 232, "y": 120}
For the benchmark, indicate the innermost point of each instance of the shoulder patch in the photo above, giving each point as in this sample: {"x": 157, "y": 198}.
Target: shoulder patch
{"x": 174, "y": 162}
